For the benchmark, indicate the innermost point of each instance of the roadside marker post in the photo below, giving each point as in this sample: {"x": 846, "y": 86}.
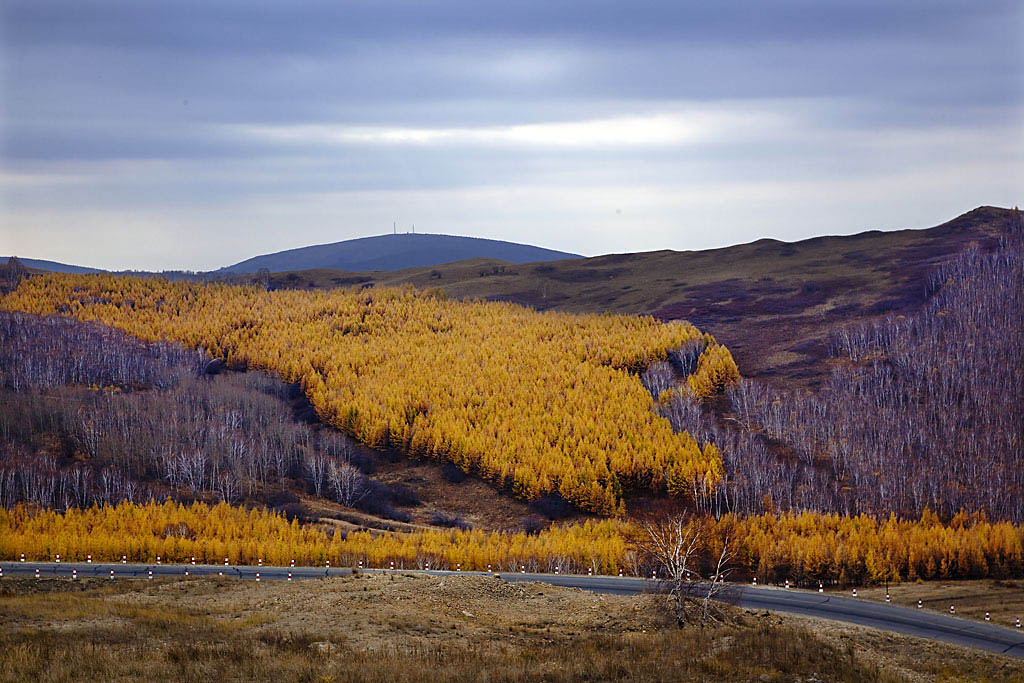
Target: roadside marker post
{"x": 426, "y": 566}
{"x": 787, "y": 583}
{"x": 1, "y": 572}
{"x": 150, "y": 574}
{"x": 654, "y": 574}
{"x": 488, "y": 568}
{"x": 58, "y": 559}
{"x": 111, "y": 574}
{"x": 225, "y": 561}
{"x": 23, "y": 557}
{"x": 186, "y": 571}
{"x": 854, "y": 592}
{"x": 328, "y": 564}
{"x": 259, "y": 562}
{"x": 919, "y": 605}
{"x": 522, "y": 569}
{"x": 887, "y": 598}
{"x": 74, "y": 574}
{"x": 458, "y": 566}
{"x": 821, "y": 587}
{"x": 37, "y": 572}
{"x": 88, "y": 558}
{"x": 952, "y": 610}
{"x": 257, "y": 577}
{"x": 193, "y": 560}
{"x": 158, "y": 559}
{"x": 556, "y": 569}
{"x": 755, "y": 580}
{"x": 392, "y": 565}
{"x": 220, "y": 572}
{"x": 289, "y": 576}
{"x": 124, "y": 559}
{"x": 360, "y": 563}
{"x": 620, "y": 572}
{"x": 987, "y": 617}
{"x": 1018, "y": 622}
{"x": 293, "y": 563}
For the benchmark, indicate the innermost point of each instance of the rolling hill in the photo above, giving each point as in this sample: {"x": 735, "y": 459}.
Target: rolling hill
{"x": 395, "y": 252}
{"x": 772, "y": 303}
{"x": 50, "y": 266}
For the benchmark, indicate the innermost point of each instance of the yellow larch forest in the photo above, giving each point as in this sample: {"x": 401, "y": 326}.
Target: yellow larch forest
{"x": 533, "y": 402}
{"x": 806, "y": 547}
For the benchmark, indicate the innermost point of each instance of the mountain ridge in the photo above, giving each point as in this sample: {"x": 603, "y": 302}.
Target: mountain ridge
{"x": 51, "y": 266}
{"x": 394, "y": 252}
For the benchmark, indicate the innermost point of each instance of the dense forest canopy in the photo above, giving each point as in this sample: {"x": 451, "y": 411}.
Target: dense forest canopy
{"x": 536, "y": 403}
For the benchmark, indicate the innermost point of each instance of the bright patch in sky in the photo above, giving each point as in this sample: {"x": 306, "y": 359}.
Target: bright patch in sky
{"x": 633, "y": 131}
{"x": 197, "y": 133}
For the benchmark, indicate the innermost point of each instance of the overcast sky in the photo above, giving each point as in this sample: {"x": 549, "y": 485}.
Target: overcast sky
{"x": 196, "y": 133}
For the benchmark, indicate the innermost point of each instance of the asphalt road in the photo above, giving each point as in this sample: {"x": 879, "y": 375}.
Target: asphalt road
{"x": 914, "y": 622}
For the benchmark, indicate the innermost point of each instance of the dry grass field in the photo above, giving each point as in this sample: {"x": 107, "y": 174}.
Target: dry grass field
{"x": 413, "y": 628}
{"x": 1004, "y": 600}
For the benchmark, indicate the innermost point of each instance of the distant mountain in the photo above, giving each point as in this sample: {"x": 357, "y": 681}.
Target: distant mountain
{"x": 395, "y": 252}
{"x": 52, "y": 266}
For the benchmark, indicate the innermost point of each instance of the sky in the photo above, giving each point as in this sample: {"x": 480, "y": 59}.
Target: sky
{"x": 197, "y": 133}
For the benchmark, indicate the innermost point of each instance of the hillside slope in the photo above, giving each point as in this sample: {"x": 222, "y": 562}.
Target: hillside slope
{"x": 772, "y": 303}
{"x": 394, "y": 252}
{"x": 50, "y": 266}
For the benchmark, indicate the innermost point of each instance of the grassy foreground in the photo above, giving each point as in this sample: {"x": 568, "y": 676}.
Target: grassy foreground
{"x": 406, "y": 628}
{"x": 1002, "y": 599}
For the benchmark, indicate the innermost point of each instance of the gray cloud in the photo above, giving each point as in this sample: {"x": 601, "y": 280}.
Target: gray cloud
{"x": 134, "y": 114}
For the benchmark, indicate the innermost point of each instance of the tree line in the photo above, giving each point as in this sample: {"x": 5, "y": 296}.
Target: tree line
{"x": 805, "y": 548}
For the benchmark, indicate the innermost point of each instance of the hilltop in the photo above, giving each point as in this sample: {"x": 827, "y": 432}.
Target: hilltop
{"x": 50, "y": 266}
{"x": 395, "y": 252}
{"x": 772, "y": 303}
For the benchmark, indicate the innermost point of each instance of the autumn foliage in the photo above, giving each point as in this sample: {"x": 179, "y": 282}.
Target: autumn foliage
{"x": 805, "y": 548}
{"x": 177, "y": 532}
{"x": 533, "y": 402}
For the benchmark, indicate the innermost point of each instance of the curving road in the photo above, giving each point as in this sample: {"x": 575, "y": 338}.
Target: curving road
{"x": 921, "y": 623}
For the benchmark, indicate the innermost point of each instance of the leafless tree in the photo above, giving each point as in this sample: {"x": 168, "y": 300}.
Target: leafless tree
{"x": 691, "y": 564}
{"x": 658, "y": 377}
{"x": 316, "y": 470}
{"x": 714, "y": 582}
{"x": 672, "y": 544}
{"x": 914, "y": 415}
{"x": 347, "y": 482}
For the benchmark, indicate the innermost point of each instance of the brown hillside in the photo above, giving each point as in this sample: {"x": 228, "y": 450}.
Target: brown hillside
{"x": 772, "y": 303}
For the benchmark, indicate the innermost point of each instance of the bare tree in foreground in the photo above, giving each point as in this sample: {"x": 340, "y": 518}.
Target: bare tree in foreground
{"x": 714, "y": 583}
{"x": 681, "y": 547}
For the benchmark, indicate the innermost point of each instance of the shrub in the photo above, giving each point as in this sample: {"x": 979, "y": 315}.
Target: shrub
{"x": 449, "y": 521}
{"x": 451, "y": 472}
